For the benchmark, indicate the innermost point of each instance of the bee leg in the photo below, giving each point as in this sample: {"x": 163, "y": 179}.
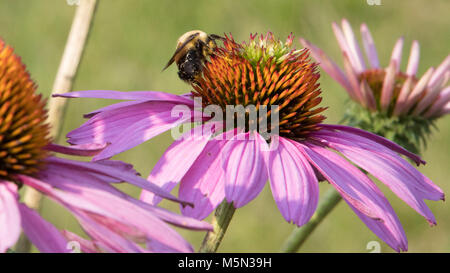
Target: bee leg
{"x": 205, "y": 48}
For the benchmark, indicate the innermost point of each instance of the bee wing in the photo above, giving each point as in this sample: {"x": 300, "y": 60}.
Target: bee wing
{"x": 216, "y": 37}
{"x": 179, "y": 49}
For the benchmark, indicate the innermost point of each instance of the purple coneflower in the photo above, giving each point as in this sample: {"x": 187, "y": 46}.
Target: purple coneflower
{"x": 115, "y": 221}
{"x": 392, "y": 102}
{"x": 234, "y": 165}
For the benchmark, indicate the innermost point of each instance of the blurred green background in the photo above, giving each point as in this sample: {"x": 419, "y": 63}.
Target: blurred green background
{"x": 131, "y": 41}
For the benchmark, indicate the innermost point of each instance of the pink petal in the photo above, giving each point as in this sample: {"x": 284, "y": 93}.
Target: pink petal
{"x": 140, "y": 132}
{"x": 353, "y": 80}
{"x": 245, "y": 168}
{"x": 66, "y": 178}
{"x": 86, "y": 246}
{"x": 402, "y": 178}
{"x": 329, "y": 66}
{"x": 342, "y": 42}
{"x": 107, "y": 239}
{"x": 203, "y": 185}
{"x": 413, "y": 62}
{"x": 105, "y": 126}
{"x": 359, "y": 191}
{"x": 439, "y": 74}
{"x": 418, "y": 90}
{"x": 369, "y": 47}
{"x": 403, "y": 96}
{"x": 375, "y": 138}
{"x": 293, "y": 182}
{"x": 97, "y": 201}
{"x": 397, "y": 54}
{"x": 79, "y": 150}
{"x": 112, "y": 107}
{"x": 9, "y": 215}
{"x": 175, "y": 162}
{"x": 41, "y": 233}
{"x": 109, "y": 171}
{"x": 433, "y": 87}
{"x": 128, "y": 95}
{"x": 445, "y": 110}
{"x": 351, "y": 183}
{"x": 388, "y": 85}
{"x": 355, "y": 51}
{"x": 368, "y": 96}
{"x": 396, "y": 239}
{"x": 438, "y": 105}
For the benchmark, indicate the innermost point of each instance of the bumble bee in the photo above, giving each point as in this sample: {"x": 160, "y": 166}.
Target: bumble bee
{"x": 193, "y": 48}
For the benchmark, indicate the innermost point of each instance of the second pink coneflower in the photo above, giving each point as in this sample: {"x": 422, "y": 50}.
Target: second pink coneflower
{"x": 390, "y": 102}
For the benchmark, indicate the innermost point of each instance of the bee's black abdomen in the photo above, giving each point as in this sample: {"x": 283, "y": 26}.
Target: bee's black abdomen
{"x": 190, "y": 66}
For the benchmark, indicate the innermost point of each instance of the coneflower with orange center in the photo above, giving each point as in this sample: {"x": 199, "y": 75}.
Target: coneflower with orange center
{"x": 23, "y": 131}
{"x": 230, "y": 156}
{"x": 115, "y": 221}
{"x": 265, "y": 75}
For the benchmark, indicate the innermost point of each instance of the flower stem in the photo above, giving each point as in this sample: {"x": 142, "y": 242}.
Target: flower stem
{"x": 64, "y": 80}
{"x": 220, "y": 222}
{"x": 300, "y": 234}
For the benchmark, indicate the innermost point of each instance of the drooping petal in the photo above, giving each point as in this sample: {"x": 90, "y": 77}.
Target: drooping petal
{"x": 86, "y": 246}
{"x": 41, "y": 233}
{"x": 128, "y": 95}
{"x": 378, "y": 139}
{"x": 204, "y": 183}
{"x": 107, "y": 239}
{"x": 68, "y": 178}
{"x": 396, "y": 239}
{"x": 10, "y": 222}
{"x": 351, "y": 183}
{"x": 395, "y": 172}
{"x": 293, "y": 182}
{"x": 358, "y": 190}
{"x": 109, "y": 171}
{"x": 369, "y": 47}
{"x": 176, "y": 161}
{"x": 100, "y": 202}
{"x": 245, "y": 168}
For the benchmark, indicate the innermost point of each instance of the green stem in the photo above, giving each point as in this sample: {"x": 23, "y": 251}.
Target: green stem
{"x": 300, "y": 234}
{"x": 222, "y": 217}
